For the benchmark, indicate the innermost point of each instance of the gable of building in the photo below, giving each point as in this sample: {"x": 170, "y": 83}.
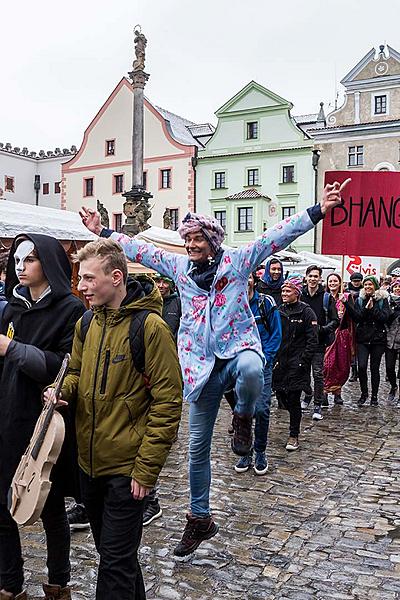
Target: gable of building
{"x": 165, "y": 133}
{"x": 372, "y": 91}
{"x": 268, "y": 111}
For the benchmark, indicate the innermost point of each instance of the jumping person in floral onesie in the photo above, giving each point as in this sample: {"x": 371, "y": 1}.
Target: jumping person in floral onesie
{"x": 218, "y": 342}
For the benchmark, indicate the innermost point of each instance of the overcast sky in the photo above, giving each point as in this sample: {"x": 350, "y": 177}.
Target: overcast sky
{"x": 59, "y": 61}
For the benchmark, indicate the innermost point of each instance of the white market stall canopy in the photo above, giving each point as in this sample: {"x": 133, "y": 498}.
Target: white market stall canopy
{"x": 17, "y": 217}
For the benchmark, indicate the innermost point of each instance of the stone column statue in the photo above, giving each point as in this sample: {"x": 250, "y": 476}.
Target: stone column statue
{"x": 105, "y": 219}
{"x": 167, "y": 219}
{"x": 136, "y": 206}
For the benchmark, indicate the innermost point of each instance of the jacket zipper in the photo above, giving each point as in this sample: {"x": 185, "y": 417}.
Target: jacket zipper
{"x": 105, "y": 373}
{"x": 94, "y": 393}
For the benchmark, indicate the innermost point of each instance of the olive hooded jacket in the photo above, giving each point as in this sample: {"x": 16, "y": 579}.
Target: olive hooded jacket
{"x": 124, "y": 426}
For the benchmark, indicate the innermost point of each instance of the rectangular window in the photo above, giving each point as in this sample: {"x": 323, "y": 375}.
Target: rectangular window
{"x": 9, "y": 184}
{"x": 174, "y": 214}
{"x": 165, "y": 178}
{"x": 57, "y": 187}
{"x": 110, "y": 147}
{"x": 88, "y": 186}
{"x": 288, "y": 174}
{"x": 288, "y": 211}
{"x": 253, "y": 177}
{"x": 118, "y": 184}
{"x": 118, "y": 222}
{"x": 46, "y": 187}
{"x": 380, "y": 105}
{"x": 219, "y": 180}
{"x": 356, "y": 156}
{"x": 245, "y": 219}
{"x": 144, "y": 180}
{"x": 252, "y": 130}
{"x": 220, "y": 216}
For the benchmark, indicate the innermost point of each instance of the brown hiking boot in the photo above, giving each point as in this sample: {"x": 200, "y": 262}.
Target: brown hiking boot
{"x": 196, "y": 531}
{"x": 242, "y": 439}
{"x": 56, "y": 592}
{"x": 9, "y": 596}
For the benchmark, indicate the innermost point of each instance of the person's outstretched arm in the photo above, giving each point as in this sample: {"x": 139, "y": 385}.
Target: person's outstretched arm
{"x": 135, "y": 250}
{"x": 284, "y": 233}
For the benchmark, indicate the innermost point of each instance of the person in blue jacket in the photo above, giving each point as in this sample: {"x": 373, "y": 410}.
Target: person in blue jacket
{"x": 269, "y": 327}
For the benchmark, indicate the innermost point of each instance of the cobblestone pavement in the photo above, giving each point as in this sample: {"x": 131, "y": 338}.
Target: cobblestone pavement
{"x": 323, "y": 523}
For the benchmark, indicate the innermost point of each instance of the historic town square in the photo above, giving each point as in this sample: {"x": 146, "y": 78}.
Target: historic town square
{"x": 200, "y": 301}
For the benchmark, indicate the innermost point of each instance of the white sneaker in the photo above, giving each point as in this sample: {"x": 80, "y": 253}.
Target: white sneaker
{"x": 304, "y": 405}
{"x": 317, "y": 416}
{"x": 292, "y": 443}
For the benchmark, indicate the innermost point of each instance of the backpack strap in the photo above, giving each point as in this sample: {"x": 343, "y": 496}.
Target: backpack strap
{"x": 85, "y": 323}
{"x": 266, "y": 313}
{"x": 136, "y": 338}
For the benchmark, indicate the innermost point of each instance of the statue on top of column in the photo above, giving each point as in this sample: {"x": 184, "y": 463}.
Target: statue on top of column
{"x": 140, "y": 49}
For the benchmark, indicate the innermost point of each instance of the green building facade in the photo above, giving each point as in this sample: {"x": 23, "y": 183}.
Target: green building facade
{"x": 257, "y": 167}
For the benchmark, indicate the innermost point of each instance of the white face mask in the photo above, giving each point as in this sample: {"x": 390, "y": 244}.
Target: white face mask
{"x": 22, "y": 252}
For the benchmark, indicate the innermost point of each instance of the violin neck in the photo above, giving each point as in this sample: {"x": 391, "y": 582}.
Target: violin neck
{"x": 42, "y": 433}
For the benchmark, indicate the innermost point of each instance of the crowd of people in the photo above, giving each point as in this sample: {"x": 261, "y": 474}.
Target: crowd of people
{"x": 211, "y": 324}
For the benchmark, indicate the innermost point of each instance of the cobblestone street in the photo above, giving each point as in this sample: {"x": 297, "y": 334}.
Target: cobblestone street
{"x": 323, "y": 523}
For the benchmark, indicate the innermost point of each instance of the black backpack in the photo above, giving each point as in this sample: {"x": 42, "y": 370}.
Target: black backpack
{"x": 266, "y": 313}
{"x": 136, "y": 335}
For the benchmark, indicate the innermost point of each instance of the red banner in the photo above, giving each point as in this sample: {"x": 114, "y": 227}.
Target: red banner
{"x": 368, "y": 221}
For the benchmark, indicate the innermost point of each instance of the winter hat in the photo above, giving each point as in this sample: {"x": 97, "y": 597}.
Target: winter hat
{"x": 295, "y": 282}
{"x": 356, "y": 277}
{"x": 209, "y": 227}
{"x": 373, "y": 280}
{"x": 395, "y": 282}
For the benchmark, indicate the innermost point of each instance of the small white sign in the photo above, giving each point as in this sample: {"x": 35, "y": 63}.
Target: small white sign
{"x": 366, "y": 265}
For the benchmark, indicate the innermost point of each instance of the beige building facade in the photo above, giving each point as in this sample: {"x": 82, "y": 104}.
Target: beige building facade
{"x": 363, "y": 133}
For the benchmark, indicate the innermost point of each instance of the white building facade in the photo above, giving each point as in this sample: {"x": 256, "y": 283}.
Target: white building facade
{"x": 101, "y": 170}
{"x": 30, "y": 177}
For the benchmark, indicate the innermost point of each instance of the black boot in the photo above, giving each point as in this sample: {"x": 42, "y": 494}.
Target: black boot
{"x": 354, "y": 374}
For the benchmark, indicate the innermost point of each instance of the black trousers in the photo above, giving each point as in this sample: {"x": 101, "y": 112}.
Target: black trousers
{"x": 392, "y": 356}
{"x": 375, "y": 353}
{"x": 317, "y": 367}
{"x": 291, "y": 401}
{"x": 116, "y": 521}
{"x": 56, "y": 526}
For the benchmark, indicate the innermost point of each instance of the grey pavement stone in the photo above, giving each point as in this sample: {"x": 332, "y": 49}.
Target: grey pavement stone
{"x": 324, "y": 523}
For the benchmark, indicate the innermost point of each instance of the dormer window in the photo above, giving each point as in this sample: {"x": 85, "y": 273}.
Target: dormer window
{"x": 380, "y": 105}
{"x": 252, "y": 130}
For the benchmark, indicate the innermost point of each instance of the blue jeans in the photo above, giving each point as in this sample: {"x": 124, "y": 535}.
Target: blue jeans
{"x": 261, "y": 413}
{"x": 244, "y": 373}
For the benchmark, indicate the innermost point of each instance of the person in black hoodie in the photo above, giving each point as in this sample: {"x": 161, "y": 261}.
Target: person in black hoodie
{"x": 354, "y": 287}
{"x": 324, "y": 307}
{"x": 36, "y": 330}
{"x": 171, "y": 313}
{"x": 371, "y": 312}
{"x": 172, "y": 309}
{"x": 299, "y": 341}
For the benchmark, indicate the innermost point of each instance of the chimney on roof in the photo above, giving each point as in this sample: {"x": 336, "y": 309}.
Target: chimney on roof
{"x": 321, "y": 115}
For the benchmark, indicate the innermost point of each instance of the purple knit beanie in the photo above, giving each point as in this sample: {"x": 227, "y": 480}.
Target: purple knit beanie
{"x": 209, "y": 227}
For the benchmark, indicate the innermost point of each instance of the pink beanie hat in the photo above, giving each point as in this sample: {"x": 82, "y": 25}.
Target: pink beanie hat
{"x": 209, "y": 227}
{"x": 294, "y": 281}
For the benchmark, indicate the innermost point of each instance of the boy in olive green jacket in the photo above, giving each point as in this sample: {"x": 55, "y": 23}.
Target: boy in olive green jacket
{"x": 125, "y": 421}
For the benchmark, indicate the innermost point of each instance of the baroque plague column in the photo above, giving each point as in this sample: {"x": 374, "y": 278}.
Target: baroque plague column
{"x": 136, "y": 205}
